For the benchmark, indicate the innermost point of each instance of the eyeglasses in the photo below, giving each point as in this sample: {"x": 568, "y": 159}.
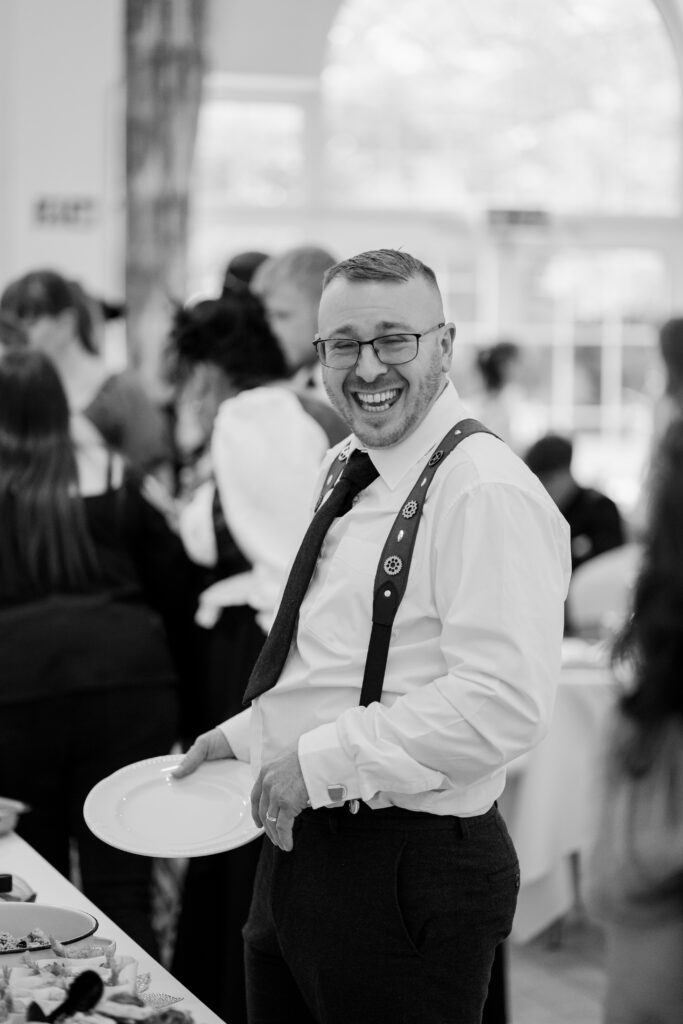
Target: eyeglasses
{"x": 390, "y": 349}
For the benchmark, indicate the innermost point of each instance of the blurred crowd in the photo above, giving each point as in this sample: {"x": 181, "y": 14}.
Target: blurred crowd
{"x": 142, "y": 550}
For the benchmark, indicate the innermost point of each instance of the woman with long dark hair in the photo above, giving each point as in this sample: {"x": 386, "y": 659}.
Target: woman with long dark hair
{"x": 61, "y": 320}
{"x": 86, "y": 680}
{"x": 637, "y": 868}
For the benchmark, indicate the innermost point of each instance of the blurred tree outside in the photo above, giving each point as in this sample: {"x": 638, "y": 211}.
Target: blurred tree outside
{"x": 456, "y": 104}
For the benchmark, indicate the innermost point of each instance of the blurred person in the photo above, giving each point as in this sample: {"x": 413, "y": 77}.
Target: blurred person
{"x": 595, "y": 523}
{"x": 87, "y": 684}
{"x": 636, "y": 872}
{"x": 501, "y": 403}
{"x": 194, "y": 413}
{"x": 262, "y": 443}
{"x": 388, "y": 879}
{"x": 61, "y": 320}
{"x": 12, "y": 336}
{"x": 243, "y": 524}
{"x": 290, "y": 286}
{"x": 667, "y": 407}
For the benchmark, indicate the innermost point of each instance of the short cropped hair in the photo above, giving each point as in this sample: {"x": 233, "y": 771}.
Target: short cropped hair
{"x": 548, "y": 454}
{"x": 304, "y": 267}
{"x": 381, "y": 265}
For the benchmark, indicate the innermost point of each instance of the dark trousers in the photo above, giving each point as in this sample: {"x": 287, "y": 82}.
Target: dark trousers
{"x": 53, "y": 751}
{"x": 386, "y": 916}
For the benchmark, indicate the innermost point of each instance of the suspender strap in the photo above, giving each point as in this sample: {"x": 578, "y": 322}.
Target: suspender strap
{"x": 391, "y": 577}
{"x": 336, "y": 470}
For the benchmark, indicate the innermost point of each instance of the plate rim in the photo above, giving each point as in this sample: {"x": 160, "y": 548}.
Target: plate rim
{"x": 64, "y": 942}
{"x": 185, "y": 850}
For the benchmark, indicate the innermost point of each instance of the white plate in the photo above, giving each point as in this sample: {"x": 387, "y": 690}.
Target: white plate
{"x": 63, "y": 924}
{"x": 143, "y": 809}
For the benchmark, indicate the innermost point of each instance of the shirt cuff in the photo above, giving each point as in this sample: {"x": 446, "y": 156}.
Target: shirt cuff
{"x": 324, "y": 764}
{"x": 236, "y": 731}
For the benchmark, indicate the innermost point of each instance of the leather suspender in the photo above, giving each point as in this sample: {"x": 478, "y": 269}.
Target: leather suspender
{"x": 391, "y": 577}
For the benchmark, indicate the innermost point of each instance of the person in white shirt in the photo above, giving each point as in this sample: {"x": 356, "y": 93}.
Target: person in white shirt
{"x": 393, "y": 913}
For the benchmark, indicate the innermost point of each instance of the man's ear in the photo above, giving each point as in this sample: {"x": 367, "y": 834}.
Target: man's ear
{"x": 447, "y": 340}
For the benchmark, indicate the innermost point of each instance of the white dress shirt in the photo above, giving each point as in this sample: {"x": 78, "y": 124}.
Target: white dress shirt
{"x": 475, "y": 650}
{"x": 264, "y": 446}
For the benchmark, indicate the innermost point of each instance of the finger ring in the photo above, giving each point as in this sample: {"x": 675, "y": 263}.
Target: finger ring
{"x": 269, "y": 817}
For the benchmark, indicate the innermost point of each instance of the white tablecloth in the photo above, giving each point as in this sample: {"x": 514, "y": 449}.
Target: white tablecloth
{"x": 17, "y": 857}
{"x": 550, "y": 798}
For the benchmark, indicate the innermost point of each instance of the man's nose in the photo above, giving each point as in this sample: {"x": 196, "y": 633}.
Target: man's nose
{"x": 369, "y": 366}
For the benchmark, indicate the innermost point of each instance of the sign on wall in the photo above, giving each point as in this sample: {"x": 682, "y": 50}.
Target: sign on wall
{"x": 65, "y": 211}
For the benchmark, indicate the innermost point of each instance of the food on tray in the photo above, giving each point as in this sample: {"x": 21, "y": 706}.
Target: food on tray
{"x": 103, "y": 947}
{"x": 90, "y": 984}
{"x": 85, "y": 999}
{"x": 35, "y": 939}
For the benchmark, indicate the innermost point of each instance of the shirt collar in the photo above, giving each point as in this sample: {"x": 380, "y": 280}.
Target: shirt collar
{"x": 394, "y": 463}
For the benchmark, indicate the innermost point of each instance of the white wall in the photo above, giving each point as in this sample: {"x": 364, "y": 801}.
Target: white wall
{"x": 61, "y": 139}
{"x": 269, "y": 37}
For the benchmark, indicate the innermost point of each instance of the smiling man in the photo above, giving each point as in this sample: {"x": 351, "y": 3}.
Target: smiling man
{"x": 385, "y": 385}
{"x": 393, "y": 690}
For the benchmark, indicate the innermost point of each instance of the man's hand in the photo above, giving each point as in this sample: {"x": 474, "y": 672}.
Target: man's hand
{"x": 210, "y": 746}
{"x": 9, "y": 814}
{"x": 279, "y": 794}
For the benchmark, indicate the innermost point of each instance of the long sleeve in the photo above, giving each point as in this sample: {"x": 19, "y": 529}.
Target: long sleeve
{"x": 500, "y": 567}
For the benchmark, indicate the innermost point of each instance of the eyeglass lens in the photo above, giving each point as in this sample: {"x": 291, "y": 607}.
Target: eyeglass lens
{"x": 392, "y": 349}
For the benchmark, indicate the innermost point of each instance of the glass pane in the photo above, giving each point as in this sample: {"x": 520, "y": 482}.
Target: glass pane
{"x": 249, "y": 153}
{"x": 590, "y": 285}
{"x": 640, "y": 369}
{"x": 587, "y": 375}
{"x": 470, "y": 105}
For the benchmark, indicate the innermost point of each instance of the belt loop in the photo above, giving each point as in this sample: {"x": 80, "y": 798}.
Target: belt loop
{"x": 462, "y": 828}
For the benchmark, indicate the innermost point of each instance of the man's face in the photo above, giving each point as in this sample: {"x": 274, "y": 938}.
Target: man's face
{"x": 292, "y": 316}
{"x": 384, "y": 404}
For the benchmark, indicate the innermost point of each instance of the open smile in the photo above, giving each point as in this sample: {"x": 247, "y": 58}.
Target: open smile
{"x": 377, "y": 401}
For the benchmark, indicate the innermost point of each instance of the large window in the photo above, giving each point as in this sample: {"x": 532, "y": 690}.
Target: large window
{"x": 528, "y": 149}
{"x": 459, "y": 104}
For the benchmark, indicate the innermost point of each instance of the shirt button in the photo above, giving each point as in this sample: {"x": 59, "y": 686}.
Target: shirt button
{"x": 355, "y": 499}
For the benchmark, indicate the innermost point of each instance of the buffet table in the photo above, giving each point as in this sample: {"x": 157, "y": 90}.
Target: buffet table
{"x": 550, "y": 800}
{"x": 17, "y": 857}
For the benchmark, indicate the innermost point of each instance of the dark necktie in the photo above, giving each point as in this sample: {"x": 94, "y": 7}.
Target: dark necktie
{"x": 358, "y": 473}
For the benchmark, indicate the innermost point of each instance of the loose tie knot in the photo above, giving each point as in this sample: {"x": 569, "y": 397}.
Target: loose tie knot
{"x": 358, "y": 474}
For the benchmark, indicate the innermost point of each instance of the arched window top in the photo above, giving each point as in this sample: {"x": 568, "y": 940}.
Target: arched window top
{"x": 463, "y": 105}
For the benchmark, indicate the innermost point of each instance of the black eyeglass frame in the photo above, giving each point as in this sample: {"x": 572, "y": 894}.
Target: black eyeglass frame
{"x": 371, "y": 341}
